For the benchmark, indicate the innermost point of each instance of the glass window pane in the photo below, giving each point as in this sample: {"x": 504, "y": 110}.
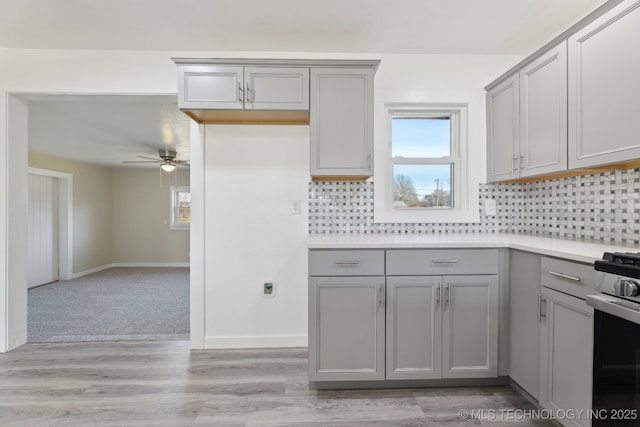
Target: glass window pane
{"x": 422, "y": 186}
{"x": 421, "y": 137}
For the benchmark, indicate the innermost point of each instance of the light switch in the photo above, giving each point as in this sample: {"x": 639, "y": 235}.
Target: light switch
{"x": 295, "y": 207}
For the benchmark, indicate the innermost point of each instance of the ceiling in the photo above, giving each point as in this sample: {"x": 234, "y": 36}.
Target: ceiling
{"x": 107, "y": 129}
{"x": 376, "y": 26}
{"x": 111, "y": 129}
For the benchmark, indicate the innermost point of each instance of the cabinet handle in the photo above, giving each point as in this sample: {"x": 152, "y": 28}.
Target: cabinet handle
{"x": 369, "y": 160}
{"x": 447, "y": 297}
{"x": 444, "y": 261}
{"x": 516, "y": 162}
{"x": 240, "y": 93}
{"x": 347, "y": 262}
{"x": 380, "y": 295}
{"x": 248, "y": 91}
{"x": 438, "y": 292}
{"x": 565, "y": 276}
{"x": 540, "y": 314}
{"x": 522, "y": 162}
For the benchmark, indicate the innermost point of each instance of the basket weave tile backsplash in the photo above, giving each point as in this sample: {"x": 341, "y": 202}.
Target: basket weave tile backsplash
{"x": 603, "y": 207}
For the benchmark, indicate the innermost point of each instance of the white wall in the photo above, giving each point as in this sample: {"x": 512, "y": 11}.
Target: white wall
{"x": 92, "y": 210}
{"x": 253, "y": 174}
{"x": 114, "y": 72}
{"x": 141, "y": 218}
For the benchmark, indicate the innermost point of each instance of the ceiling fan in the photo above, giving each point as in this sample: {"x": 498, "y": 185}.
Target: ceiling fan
{"x": 167, "y": 160}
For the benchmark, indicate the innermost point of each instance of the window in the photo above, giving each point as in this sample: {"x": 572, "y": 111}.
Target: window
{"x": 180, "y": 208}
{"x": 423, "y": 175}
{"x": 424, "y": 161}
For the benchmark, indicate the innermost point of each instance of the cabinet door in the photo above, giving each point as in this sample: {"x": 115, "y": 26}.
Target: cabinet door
{"x": 543, "y": 114}
{"x": 503, "y": 131}
{"x": 276, "y": 88}
{"x": 524, "y": 331}
{"x": 566, "y": 354}
{"x": 470, "y": 327}
{"x": 341, "y": 122}
{"x": 414, "y": 327}
{"x": 346, "y": 328}
{"x": 210, "y": 87}
{"x": 603, "y": 89}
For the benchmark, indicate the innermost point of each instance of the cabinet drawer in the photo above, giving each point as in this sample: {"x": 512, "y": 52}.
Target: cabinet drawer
{"x": 442, "y": 261}
{"x": 566, "y": 276}
{"x": 346, "y": 263}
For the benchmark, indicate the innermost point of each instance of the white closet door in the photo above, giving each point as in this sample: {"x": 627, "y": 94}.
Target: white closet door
{"x": 42, "y": 264}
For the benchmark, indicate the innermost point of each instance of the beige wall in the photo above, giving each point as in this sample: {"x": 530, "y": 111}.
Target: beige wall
{"x": 120, "y": 215}
{"x": 92, "y": 205}
{"x": 141, "y": 217}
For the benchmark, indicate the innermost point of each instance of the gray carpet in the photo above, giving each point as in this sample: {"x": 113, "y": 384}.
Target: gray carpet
{"x": 116, "y": 304}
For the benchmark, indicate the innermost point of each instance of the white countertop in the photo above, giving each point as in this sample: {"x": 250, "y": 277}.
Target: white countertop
{"x": 576, "y": 250}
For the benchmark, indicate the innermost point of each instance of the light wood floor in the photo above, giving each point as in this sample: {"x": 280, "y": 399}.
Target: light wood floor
{"x": 164, "y": 383}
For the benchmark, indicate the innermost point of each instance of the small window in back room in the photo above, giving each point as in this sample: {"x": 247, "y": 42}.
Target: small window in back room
{"x": 423, "y": 162}
{"x": 180, "y": 208}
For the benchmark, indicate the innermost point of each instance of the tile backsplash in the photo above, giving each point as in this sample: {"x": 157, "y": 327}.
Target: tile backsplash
{"x": 603, "y": 207}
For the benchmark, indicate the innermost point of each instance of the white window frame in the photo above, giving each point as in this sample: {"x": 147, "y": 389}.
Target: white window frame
{"x": 465, "y": 193}
{"x": 175, "y": 224}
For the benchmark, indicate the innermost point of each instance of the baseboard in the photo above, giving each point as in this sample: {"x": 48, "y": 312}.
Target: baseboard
{"x": 151, "y": 264}
{"x": 92, "y": 270}
{"x": 128, "y": 264}
{"x": 268, "y": 341}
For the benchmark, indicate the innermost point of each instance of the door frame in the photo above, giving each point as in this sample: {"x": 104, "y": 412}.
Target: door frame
{"x": 65, "y": 219}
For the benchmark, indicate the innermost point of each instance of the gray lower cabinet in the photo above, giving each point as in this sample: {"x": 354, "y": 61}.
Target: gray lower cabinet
{"x": 414, "y": 327}
{"x": 411, "y": 324}
{"x": 442, "y": 327}
{"x": 346, "y": 328}
{"x": 524, "y": 325}
{"x": 566, "y": 355}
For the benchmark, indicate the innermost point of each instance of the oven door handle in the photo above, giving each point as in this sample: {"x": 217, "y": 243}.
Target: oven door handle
{"x": 609, "y": 305}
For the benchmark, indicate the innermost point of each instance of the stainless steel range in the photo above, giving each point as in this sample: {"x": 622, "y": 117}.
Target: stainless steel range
{"x": 616, "y": 341}
{"x": 618, "y": 281}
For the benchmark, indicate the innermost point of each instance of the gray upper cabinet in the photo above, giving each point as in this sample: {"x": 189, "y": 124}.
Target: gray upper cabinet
{"x": 527, "y": 119}
{"x": 604, "y": 90}
{"x": 210, "y": 87}
{"x": 236, "y": 88}
{"x": 341, "y": 121}
{"x": 503, "y": 130}
{"x": 543, "y": 114}
{"x": 276, "y": 88}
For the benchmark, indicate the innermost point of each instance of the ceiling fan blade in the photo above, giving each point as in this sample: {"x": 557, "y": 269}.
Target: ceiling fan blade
{"x": 149, "y": 158}
{"x": 142, "y": 161}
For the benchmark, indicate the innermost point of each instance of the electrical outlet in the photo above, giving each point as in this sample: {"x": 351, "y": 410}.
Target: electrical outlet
{"x": 269, "y": 289}
{"x": 490, "y": 207}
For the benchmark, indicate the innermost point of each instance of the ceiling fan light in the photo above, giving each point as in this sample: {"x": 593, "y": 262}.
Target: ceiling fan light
{"x": 168, "y": 167}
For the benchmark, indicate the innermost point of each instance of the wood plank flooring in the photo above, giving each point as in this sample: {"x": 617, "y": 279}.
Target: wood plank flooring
{"x": 164, "y": 383}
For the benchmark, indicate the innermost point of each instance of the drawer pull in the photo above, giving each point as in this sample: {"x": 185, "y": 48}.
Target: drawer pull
{"x": 347, "y": 262}
{"x": 444, "y": 261}
{"x": 565, "y": 276}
